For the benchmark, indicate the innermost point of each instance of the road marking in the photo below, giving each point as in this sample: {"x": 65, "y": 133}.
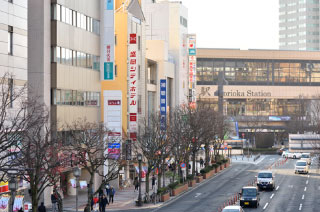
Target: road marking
{"x": 305, "y": 188}
{"x": 290, "y": 186}
{"x": 266, "y": 205}
{"x": 278, "y": 188}
{"x": 302, "y": 197}
{"x": 300, "y": 207}
{"x": 308, "y": 176}
{"x": 197, "y": 194}
{"x": 307, "y": 182}
{"x": 271, "y": 196}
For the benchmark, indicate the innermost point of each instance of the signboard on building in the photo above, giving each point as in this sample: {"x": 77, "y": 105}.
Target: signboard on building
{"x": 163, "y": 104}
{"x": 113, "y": 114}
{"x": 192, "y": 68}
{"x": 107, "y": 38}
{"x": 114, "y": 150}
{"x": 133, "y": 87}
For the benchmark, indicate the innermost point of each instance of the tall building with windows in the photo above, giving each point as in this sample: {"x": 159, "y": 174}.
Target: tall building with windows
{"x": 299, "y": 25}
{"x": 168, "y": 21}
{"x": 13, "y": 43}
{"x": 64, "y": 65}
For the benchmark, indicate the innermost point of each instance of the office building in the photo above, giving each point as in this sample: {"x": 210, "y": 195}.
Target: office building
{"x": 299, "y": 25}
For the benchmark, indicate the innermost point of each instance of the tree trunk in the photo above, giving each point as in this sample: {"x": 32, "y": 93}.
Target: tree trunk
{"x": 147, "y": 181}
{"x": 90, "y": 193}
{"x": 159, "y": 178}
{"x": 207, "y": 154}
{"x": 34, "y": 196}
{"x": 193, "y": 163}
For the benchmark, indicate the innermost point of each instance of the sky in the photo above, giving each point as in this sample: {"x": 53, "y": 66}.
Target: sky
{"x": 244, "y": 24}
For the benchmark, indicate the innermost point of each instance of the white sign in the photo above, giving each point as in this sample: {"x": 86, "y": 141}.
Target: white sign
{"x": 113, "y": 113}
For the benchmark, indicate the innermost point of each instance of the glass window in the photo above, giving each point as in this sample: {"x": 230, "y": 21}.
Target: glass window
{"x": 57, "y": 99}
{"x": 83, "y": 60}
{"x": 74, "y": 58}
{"x": 83, "y": 22}
{"x": 78, "y": 19}
{"x": 63, "y": 55}
{"x": 96, "y": 62}
{"x": 58, "y": 54}
{"x": 74, "y": 18}
{"x": 63, "y": 14}
{"x": 58, "y": 10}
{"x": 96, "y": 27}
{"x": 68, "y": 20}
{"x": 78, "y": 58}
{"x": 89, "y": 61}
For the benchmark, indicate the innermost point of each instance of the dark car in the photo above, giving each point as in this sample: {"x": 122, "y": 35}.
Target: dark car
{"x": 249, "y": 197}
{"x": 280, "y": 151}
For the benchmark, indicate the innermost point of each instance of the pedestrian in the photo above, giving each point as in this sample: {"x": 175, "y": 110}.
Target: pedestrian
{"x": 111, "y": 194}
{"x": 100, "y": 192}
{"x": 153, "y": 181}
{"x": 100, "y": 203}
{"x": 20, "y": 210}
{"x": 201, "y": 162}
{"x": 87, "y": 208}
{"x": 54, "y": 201}
{"x": 107, "y": 189}
{"x": 136, "y": 184}
{"x": 104, "y": 203}
{"x": 42, "y": 208}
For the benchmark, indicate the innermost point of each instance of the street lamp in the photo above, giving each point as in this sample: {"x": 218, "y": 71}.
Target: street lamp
{"x": 77, "y": 174}
{"x": 139, "y": 157}
{"x": 13, "y": 187}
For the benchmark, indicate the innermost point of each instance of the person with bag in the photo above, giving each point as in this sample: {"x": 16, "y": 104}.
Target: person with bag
{"x": 136, "y": 184}
{"x": 42, "y": 208}
{"x": 104, "y": 203}
{"x": 54, "y": 201}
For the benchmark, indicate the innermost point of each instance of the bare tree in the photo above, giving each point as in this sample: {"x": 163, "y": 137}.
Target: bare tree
{"x": 90, "y": 143}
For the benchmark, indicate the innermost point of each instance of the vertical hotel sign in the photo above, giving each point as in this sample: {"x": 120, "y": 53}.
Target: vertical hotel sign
{"x": 163, "y": 104}
{"x": 107, "y": 50}
{"x": 133, "y": 87}
{"x": 192, "y": 68}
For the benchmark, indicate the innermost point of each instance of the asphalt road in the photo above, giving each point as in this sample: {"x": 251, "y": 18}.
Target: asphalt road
{"x": 294, "y": 192}
{"x": 213, "y": 194}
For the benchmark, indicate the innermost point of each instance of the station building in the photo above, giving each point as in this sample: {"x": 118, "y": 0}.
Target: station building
{"x": 264, "y": 91}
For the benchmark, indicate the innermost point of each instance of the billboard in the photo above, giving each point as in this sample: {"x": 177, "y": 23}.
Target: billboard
{"x": 133, "y": 86}
{"x": 107, "y": 40}
{"x": 163, "y": 104}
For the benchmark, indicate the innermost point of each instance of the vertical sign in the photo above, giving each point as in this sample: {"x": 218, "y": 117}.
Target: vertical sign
{"x": 133, "y": 86}
{"x": 112, "y": 115}
{"x": 107, "y": 36}
{"x": 163, "y": 104}
{"x": 192, "y": 68}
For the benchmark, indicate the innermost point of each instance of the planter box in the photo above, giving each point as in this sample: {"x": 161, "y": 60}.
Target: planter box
{"x": 179, "y": 190}
{"x": 217, "y": 169}
{"x": 165, "y": 197}
{"x": 227, "y": 164}
{"x": 221, "y": 166}
{"x": 199, "y": 179}
{"x": 209, "y": 174}
{"x": 191, "y": 183}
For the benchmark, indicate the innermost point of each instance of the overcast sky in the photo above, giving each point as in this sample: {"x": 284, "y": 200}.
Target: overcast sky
{"x": 244, "y": 24}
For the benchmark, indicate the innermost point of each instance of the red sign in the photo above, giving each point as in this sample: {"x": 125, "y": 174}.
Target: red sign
{"x": 114, "y": 102}
{"x": 133, "y": 38}
{"x": 242, "y": 135}
{"x": 133, "y": 136}
{"x": 133, "y": 117}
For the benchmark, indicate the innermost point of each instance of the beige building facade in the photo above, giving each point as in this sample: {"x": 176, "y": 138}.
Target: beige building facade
{"x": 263, "y": 91}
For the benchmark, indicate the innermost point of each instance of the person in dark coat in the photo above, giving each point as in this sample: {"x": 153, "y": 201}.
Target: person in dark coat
{"x": 153, "y": 181}
{"x": 111, "y": 194}
{"x": 42, "y": 208}
{"x": 107, "y": 189}
{"x": 54, "y": 201}
{"x": 201, "y": 162}
{"x": 20, "y": 210}
{"x": 136, "y": 184}
{"x": 104, "y": 203}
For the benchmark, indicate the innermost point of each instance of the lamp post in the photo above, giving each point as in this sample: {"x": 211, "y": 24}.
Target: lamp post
{"x": 139, "y": 157}
{"x": 13, "y": 186}
{"x": 77, "y": 174}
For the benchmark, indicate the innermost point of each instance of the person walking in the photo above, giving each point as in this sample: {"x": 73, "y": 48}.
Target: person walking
{"x": 104, "y": 203}
{"x": 107, "y": 189}
{"x": 153, "y": 181}
{"x": 54, "y": 201}
{"x": 136, "y": 184}
{"x": 201, "y": 162}
{"x": 111, "y": 194}
{"x": 42, "y": 208}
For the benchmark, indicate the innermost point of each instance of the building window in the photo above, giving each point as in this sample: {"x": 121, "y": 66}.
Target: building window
{"x": 73, "y": 97}
{"x": 115, "y": 39}
{"x": 10, "y": 40}
{"x": 116, "y": 70}
{"x": 139, "y": 42}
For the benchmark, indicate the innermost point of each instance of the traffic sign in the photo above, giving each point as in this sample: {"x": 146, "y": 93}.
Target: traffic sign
{"x": 182, "y": 165}
{"x": 225, "y": 148}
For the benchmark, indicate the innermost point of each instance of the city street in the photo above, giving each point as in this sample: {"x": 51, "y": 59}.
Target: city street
{"x": 293, "y": 192}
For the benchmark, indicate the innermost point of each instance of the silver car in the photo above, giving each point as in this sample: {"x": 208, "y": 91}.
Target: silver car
{"x": 233, "y": 208}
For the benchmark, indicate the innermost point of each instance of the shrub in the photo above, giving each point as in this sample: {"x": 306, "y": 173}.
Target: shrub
{"x": 224, "y": 160}
{"x": 190, "y": 177}
{"x": 213, "y": 166}
{"x": 205, "y": 170}
{"x": 219, "y": 163}
{"x": 173, "y": 185}
{"x": 163, "y": 190}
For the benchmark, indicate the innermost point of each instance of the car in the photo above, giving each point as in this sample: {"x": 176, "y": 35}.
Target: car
{"x": 285, "y": 154}
{"x": 301, "y": 167}
{"x": 249, "y": 197}
{"x": 306, "y": 157}
{"x": 265, "y": 180}
{"x": 294, "y": 155}
{"x": 280, "y": 151}
{"x": 233, "y": 208}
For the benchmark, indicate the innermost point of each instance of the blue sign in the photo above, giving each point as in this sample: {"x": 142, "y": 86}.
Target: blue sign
{"x": 109, "y": 4}
{"x": 225, "y": 148}
{"x": 108, "y": 71}
{"x": 113, "y": 145}
{"x": 163, "y": 104}
{"x": 192, "y": 52}
{"x": 182, "y": 165}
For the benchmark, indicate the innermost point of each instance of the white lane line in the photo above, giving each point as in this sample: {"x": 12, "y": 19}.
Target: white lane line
{"x": 308, "y": 176}
{"x": 271, "y": 196}
{"x": 278, "y": 188}
{"x": 302, "y": 197}
{"x": 305, "y": 188}
{"x": 307, "y": 182}
{"x": 266, "y": 205}
{"x": 197, "y": 194}
{"x": 300, "y": 207}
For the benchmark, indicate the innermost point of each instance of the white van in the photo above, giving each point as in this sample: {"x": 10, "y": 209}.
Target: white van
{"x": 306, "y": 157}
{"x": 301, "y": 167}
